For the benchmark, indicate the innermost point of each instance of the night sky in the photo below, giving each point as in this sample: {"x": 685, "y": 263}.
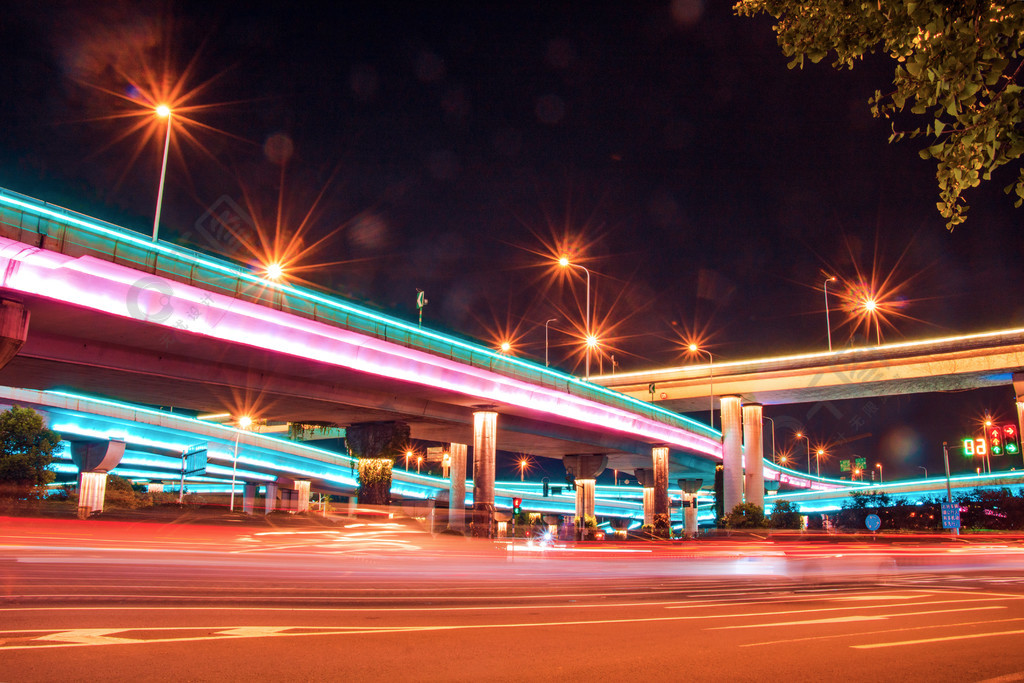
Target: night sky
{"x": 457, "y": 147}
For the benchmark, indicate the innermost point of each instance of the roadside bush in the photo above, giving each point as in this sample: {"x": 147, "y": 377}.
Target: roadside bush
{"x": 785, "y": 515}
{"x": 745, "y": 516}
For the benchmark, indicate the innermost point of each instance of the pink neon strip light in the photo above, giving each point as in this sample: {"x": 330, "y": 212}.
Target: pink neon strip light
{"x": 118, "y": 290}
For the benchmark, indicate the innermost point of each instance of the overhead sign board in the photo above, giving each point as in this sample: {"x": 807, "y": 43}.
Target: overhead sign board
{"x": 195, "y": 459}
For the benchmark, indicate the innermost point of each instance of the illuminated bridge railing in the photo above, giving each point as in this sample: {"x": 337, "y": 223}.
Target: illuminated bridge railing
{"x": 55, "y": 228}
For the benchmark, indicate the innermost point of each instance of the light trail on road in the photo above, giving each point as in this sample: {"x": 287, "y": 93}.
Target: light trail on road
{"x": 448, "y": 609}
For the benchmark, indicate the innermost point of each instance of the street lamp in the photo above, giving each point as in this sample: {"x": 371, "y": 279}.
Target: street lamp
{"x": 408, "y": 454}
{"x": 870, "y": 306}
{"x": 523, "y": 464}
{"x": 565, "y": 263}
{"x": 711, "y": 381}
{"x": 881, "y": 479}
{"x": 922, "y": 467}
{"x": 244, "y": 422}
{"x": 506, "y": 347}
{"x": 817, "y": 460}
{"x": 164, "y": 112}
{"x": 419, "y": 461}
{"x": 828, "y": 325}
{"x": 546, "y": 323}
{"x": 773, "y": 438}
{"x": 801, "y": 435}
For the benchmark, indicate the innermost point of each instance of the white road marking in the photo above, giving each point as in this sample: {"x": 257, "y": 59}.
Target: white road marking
{"x": 855, "y": 617}
{"x": 942, "y": 639}
{"x": 902, "y": 629}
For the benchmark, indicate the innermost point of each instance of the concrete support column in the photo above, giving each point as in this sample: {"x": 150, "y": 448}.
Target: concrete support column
{"x": 1018, "y": 388}
{"x": 585, "y": 499}
{"x": 649, "y": 506}
{"x": 753, "y": 453}
{"x": 732, "y": 452}
{"x": 457, "y": 487}
{"x": 249, "y": 492}
{"x": 485, "y": 428}
{"x": 92, "y": 488}
{"x": 270, "y": 502}
{"x": 691, "y": 491}
{"x": 302, "y": 493}
{"x": 661, "y": 519}
{"x": 690, "y": 515}
{"x": 94, "y": 458}
{"x": 13, "y": 329}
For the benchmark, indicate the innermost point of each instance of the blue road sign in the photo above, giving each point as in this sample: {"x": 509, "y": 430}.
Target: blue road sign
{"x": 950, "y": 516}
{"x": 873, "y": 522}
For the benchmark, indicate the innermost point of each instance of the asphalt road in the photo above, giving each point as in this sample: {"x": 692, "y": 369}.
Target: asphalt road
{"x": 134, "y": 601}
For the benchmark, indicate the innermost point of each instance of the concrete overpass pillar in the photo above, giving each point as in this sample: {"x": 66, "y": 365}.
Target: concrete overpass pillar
{"x": 270, "y": 500}
{"x": 585, "y": 469}
{"x": 302, "y": 492}
{"x": 457, "y": 487}
{"x": 13, "y": 333}
{"x": 485, "y": 428}
{"x": 691, "y": 490}
{"x": 753, "y": 453}
{"x": 732, "y": 452}
{"x": 645, "y": 477}
{"x": 661, "y": 514}
{"x": 249, "y": 492}
{"x": 585, "y": 489}
{"x": 94, "y": 458}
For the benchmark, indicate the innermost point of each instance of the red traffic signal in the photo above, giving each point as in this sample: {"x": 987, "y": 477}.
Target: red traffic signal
{"x": 995, "y": 440}
{"x": 516, "y": 505}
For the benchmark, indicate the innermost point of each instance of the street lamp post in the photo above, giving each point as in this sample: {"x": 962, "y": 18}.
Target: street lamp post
{"x": 773, "y": 438}
{"x": 243, "y": 423}
{"x": 163, "y": 111}
{"x": 801, "y": 435}
{"x": 922, "y": 467}
{"x": 828, "y": 324}
{"x": 817, "y": 460}
{"x": 711, "y": 380}
{"x": 546, "y": 323}
{"x": 881, "y": 479}
{"x": 565, "y": 263}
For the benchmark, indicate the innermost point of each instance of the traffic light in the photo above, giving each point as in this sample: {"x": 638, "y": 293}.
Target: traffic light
{"x": 995, "y": 440}
{"x": 517, "y": 506}
{"x": 1011, "y": 440}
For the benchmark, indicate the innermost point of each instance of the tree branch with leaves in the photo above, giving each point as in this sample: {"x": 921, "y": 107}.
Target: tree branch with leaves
{"x": 956, "y": 81}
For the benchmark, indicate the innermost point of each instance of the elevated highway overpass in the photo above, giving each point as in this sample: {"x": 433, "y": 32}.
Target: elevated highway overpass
{"x": 949, "y": 363}
{"x": 95, "y": 308}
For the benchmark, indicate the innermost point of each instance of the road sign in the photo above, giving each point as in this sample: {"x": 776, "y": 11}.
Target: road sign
{"x": 950, "y": 516}
{"x": 194, "y": 459}
{"x": 860, "y": 463}
{"x": 872, "y": 522}
{"x": 844, "y": 465}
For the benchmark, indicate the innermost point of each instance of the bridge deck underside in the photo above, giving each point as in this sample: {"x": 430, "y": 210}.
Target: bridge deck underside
{"x": 130, "y": 360}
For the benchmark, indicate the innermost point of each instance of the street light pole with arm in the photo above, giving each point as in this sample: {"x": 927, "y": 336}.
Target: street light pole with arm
{"x": 565, "y": 263}
{"x": 162, "y": 111}
{"x": 546, "y": 323}
{"x": 828, "y": 324}
{"x": 773, "y": 438}
{"x": 801, "y": 435}
{"x": 711, "y": 380}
